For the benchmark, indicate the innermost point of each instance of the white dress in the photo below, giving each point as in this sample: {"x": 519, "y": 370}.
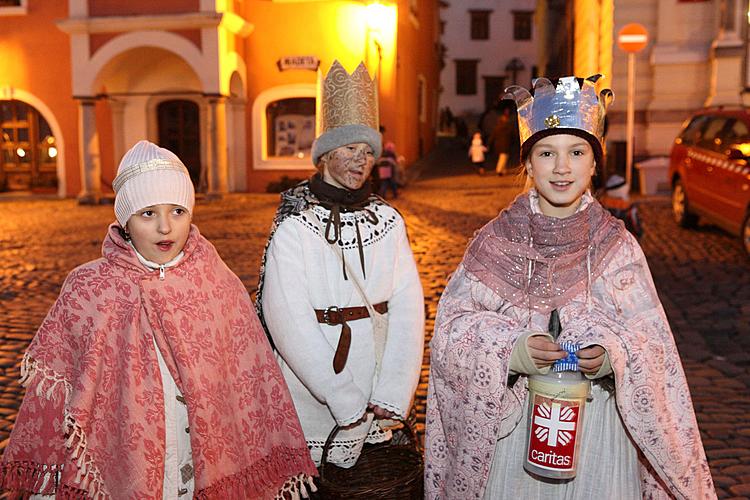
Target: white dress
{"x": 303, "y": 273}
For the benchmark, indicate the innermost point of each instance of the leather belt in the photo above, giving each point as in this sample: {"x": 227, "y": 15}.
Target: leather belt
{"x": 340, "y": 316}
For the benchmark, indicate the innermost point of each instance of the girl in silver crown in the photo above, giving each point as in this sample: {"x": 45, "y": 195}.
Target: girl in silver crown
{"x": 556, "y": 248}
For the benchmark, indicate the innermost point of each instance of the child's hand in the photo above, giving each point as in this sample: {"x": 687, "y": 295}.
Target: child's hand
{"x": 543, "y": 351}
{"x": 380, "y": 412}
{"x": 590, "y": 359}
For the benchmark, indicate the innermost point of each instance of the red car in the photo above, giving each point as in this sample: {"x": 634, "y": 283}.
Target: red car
{"x": 710, "y": 173}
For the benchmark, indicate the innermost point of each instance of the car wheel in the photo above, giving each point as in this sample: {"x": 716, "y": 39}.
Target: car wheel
{"x": 746, "y": 234}
{"x": 681, "y": 208}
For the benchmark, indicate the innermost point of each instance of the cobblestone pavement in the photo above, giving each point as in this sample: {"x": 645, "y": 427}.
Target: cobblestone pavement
{"x": 702, "y": 276}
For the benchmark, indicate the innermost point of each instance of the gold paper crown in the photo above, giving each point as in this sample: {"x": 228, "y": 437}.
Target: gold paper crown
{"x": 345, "y": 99}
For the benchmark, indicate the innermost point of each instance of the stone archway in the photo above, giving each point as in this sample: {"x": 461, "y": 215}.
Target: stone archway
{"x": 12, "y": 93}
{"x": 150, "y": 90}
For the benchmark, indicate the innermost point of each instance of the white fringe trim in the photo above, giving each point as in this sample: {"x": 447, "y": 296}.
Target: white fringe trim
{"x": 88, "y": 476}
{"x": 296, "y": 487}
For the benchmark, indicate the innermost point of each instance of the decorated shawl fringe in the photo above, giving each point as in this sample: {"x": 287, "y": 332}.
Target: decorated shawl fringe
{"x": 262, "y": 479}
{"x": 88, "y": 476}
{"x": 30, "y": 476}
{"x": 296, "y": 487}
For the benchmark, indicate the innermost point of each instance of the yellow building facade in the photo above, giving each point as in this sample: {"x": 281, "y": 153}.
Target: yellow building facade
{"x": 227, "y": 85}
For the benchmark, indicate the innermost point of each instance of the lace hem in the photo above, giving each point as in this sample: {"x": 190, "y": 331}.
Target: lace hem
{"x": 390, "y": 407}
{"x": 345, "y": 452}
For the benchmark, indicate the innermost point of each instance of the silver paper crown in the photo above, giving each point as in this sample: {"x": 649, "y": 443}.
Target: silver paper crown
{"x": 567, "y": 106}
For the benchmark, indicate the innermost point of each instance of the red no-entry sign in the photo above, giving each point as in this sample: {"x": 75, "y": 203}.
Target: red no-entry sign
{"x": 632, "y": 37}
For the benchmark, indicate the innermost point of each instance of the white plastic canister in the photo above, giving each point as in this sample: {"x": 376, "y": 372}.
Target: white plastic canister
{"x": 557, "y": 402}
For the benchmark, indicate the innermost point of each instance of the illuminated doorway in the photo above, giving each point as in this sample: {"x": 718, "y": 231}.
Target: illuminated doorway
{"x": 28, "y": 150}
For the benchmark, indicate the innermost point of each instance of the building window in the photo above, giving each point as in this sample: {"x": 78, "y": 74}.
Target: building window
{"x": 291, "y": 127}
{"x": 466, "y": 76}
{"x": 28, "y": 150}
{"x": 12, "y": 7}
{"x": 522, "y": 23}
{"x": 480, "y": 24}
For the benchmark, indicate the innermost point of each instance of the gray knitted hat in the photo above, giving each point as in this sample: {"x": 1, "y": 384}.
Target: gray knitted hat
{"x": 347, "y": 134}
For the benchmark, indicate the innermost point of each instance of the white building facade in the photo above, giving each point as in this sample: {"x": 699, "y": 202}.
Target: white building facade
{"x": 488, "y": 45}
{"x": 697, "y": 56}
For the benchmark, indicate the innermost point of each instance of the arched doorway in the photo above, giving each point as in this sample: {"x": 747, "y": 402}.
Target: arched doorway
{"x": 179, "y": 132}
{"x": 28, "y": 150}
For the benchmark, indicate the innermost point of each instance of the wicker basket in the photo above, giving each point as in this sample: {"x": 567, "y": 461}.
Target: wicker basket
{"x": 391, "y": 470}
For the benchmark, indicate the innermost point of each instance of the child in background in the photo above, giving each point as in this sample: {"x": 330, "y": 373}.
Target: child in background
{"x": 151, "y": 376}
{"x": 477, "y": 152}
{"x": 616, "y": 200}
{"x": 387, "y": 167}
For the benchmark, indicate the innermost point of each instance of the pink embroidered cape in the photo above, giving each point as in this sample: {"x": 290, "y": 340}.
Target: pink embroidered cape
{"x": 92, "y": 422}
{"x": 524, "y": 259}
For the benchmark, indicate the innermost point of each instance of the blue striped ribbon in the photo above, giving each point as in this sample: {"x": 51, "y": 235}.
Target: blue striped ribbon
{"x": 569, "y": 363}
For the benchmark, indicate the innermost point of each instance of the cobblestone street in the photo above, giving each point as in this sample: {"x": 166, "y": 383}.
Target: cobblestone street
{"x": 702, "y": 276}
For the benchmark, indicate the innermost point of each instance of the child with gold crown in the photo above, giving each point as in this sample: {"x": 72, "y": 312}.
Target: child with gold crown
{"x": 555, "y": 252}
{"x": 339, "y": 290}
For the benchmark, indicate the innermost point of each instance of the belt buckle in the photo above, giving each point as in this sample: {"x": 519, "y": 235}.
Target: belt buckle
{"x": 327, "y": 315}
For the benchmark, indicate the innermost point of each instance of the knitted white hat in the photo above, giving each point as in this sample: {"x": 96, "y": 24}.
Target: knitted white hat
{"x": 149, "y": 175}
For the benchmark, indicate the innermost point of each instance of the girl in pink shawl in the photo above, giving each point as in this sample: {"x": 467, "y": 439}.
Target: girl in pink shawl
{"x": 151, "y": 376}
{"x": 555, "y": 247}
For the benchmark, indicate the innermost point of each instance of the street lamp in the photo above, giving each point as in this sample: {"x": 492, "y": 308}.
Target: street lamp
{"x": 376, "y": 19}
{"x": 514, "y": 66}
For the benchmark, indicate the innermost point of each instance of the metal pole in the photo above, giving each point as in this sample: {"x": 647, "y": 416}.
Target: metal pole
{"x": 630, "y": 119}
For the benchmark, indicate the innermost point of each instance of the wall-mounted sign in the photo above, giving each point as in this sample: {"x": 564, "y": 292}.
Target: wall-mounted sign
{"x": 298, "y": 62}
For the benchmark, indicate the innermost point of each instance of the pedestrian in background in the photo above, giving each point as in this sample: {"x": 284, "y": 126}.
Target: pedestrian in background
{"x": 477, "y": 152}
{"x": 387, "y": 167}
{"x": 151, "y": 376}
{"x": 556, "y": 248}
{"x": 500, "y": 141}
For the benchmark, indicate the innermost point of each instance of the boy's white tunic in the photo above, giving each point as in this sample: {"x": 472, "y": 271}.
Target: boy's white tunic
{"x": 303, "y": 273}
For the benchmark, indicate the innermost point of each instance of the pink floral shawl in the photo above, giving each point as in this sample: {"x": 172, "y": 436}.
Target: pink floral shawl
{"x": 469, "y": 404}
{"x": 92, "y": 422}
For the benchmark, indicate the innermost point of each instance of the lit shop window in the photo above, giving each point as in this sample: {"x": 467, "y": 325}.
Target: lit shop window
{"x": 290, "y": 127}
